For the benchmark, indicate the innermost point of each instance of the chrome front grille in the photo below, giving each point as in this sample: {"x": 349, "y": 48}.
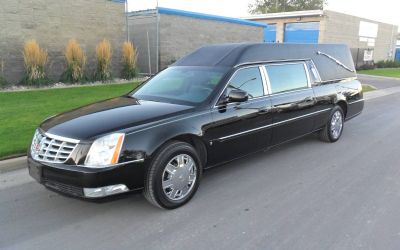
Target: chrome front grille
{"x": 52, "y": 148}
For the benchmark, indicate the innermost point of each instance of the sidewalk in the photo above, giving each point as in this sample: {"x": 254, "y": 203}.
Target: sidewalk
{"x": 20, "y": 162}
{"x": 12, "y": 164}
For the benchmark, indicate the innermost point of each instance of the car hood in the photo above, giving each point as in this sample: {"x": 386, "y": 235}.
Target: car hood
{"x": 91, "y": 121}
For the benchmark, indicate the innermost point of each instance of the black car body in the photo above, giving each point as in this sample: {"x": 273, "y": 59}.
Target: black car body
{"x": 283, "y": 91}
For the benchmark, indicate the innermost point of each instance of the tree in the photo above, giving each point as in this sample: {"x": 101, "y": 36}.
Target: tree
{"x": 273, "y": 6}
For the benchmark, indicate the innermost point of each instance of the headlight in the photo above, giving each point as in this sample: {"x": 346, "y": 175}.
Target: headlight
{"x": 105, "y": 151}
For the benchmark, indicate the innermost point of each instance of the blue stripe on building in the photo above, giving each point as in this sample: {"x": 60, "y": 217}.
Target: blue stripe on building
{"x": 168, "y": 11}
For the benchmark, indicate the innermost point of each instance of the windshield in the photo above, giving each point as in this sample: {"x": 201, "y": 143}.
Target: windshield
{"x": 182, "y": 83}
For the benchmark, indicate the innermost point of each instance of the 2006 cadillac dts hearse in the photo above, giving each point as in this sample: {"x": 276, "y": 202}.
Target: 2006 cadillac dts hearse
{"x": 216, "y": 104}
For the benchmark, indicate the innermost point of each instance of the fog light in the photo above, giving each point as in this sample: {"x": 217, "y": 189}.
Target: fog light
{"x": 105, "y": 191}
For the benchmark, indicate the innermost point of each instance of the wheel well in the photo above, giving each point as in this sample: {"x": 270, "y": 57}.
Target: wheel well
{"x": 343, "y": 105}
{"x": 197, "y": 143}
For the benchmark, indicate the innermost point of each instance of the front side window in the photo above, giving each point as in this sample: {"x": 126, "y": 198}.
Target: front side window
{"x": 249, "y": 80}
{"x": 286, "y": 77}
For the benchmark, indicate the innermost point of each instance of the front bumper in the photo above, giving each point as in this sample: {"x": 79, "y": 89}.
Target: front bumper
{"x": 79, "y": 181}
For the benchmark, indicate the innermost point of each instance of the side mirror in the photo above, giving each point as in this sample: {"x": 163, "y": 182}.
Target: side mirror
{"x": 236, "y": 95}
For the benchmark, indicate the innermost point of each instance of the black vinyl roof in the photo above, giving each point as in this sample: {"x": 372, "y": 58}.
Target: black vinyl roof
{"x": 333, "y": 61}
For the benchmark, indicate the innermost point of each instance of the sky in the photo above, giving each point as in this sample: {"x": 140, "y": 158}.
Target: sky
{"x": 382, "y": 10}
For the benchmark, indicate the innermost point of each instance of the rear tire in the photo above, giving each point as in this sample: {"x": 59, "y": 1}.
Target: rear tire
{"x": 173, "y": 176}
{"x": 334, "y": 127}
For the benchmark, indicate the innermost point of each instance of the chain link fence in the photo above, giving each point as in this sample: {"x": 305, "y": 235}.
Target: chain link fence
{"x": 143, "y": 32}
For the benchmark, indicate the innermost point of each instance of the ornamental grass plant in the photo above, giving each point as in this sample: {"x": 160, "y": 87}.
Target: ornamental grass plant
{"x": 35, "y": 59}
{"x": 103, "y": 60}
{"x": 129, "y": 57}
{"x": 75, "y": 60}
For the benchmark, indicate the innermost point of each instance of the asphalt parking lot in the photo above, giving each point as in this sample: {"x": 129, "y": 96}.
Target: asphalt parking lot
{"x": 303, "y": 195}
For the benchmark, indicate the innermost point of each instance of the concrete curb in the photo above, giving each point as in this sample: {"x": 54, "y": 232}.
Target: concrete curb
{"x": 20, "y": 162}
{"x": 381, "y": 92}
{"x": 382, "y": 77}
{"x": 12, "y": 164}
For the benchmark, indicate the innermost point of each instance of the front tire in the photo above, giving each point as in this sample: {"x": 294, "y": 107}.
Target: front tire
{"x": 173, "y": 176}
{"x": 334, "y": 127}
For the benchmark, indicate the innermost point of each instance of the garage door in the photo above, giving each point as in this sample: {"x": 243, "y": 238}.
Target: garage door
{"x": 397, "y": 55}
{"x": 301, "y": 32}
{"x": 270, "y": 33}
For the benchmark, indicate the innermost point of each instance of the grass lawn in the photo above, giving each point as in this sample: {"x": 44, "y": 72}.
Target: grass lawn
{"x": 382, "y": 72}
{"x": 367, "y": 88}
{"x": 21, "y": 112}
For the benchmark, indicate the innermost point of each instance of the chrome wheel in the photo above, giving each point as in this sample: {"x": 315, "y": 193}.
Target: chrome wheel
{"x": 336, "y": 124}
{"x": 179, "y": 177}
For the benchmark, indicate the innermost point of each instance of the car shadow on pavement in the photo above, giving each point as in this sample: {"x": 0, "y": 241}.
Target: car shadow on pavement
{"x": 48, "y": 211}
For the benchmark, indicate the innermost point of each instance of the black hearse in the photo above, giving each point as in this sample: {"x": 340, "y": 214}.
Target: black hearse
{"x": 219, "y": 103}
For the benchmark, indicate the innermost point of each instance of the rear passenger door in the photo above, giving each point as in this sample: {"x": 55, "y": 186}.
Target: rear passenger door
{"x": 293, "y": 101}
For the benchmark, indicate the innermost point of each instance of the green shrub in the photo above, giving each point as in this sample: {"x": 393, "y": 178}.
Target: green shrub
{"x": 3, "y": 81}
{"x": 366, "y": 66}
{"x": 388, "y": 64}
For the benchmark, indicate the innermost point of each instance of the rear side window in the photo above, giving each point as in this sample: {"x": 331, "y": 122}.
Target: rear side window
{"x": 286, "y": 77}
{"x": 249, "y": 80}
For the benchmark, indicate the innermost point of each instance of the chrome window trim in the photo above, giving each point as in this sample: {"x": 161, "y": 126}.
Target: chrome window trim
{"x": 264, "y": 79}
{"x": 271, "y": 61}
{"x": 307, "y": 74}
{"x": 264, "y": 75}
{"x": 319, "y": 80}
{"x": 268, "y": 83}
{"x": 233, "y": 75}
{"x": 273, "y": 124}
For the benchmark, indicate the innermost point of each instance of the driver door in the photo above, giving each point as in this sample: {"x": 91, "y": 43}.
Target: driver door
{"x": 241, "y": 128}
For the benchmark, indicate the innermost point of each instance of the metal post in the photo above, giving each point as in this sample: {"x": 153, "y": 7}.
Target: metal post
{"x": 157, "y": 40}
{"x": 392, "y": 53}
{"x": 127, "y": 20}
{"x": 148, "y": 51}
{"x": 358, "y": 52}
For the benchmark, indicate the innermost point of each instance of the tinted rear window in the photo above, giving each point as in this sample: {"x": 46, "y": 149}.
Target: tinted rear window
{"x": 286, "y": 77}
